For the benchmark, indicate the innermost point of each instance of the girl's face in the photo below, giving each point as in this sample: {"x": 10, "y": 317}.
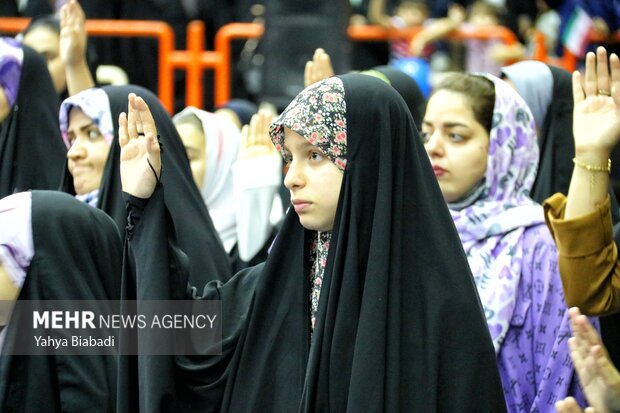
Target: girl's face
{"x": 314, "y": 182}
{"x": 88, "y": 152}
{"x": 47, "y": 43}
{"x": 457, "y": 145}
{"x": 194, "y": 142}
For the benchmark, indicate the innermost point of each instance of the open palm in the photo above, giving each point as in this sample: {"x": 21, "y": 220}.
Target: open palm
{"x": 140, "y": 152}
{"x": 597, "y": 104}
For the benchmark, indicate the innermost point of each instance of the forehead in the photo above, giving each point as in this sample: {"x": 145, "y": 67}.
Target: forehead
{"x": 294, "y": 141}
{"x": 191, "y": 135}
{"x": 77, "y": 118}
{"x": 448, "y": 106}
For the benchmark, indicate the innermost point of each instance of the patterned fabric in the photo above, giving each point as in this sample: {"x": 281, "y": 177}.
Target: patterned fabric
{"x": 96, "y": 105}
{"x": 534, "y": 361}
{"x": 11, "y": 59}
{"x": 318, "y": 252}
{"x": 90, "y": 198}
{"x": 491, "y": 228}
{"x": 515, "y": 265}
{"x": 318, "y": 114}
{"x": 16, "y": 242}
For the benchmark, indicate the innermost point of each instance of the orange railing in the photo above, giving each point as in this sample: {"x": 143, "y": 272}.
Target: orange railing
{"x": 126, "y": 28}
{"x": 360, "y": 33}
{"x": 195, "y": 58}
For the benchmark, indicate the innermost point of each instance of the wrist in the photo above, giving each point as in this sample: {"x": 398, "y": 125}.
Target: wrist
{"x": 593, "y": 155}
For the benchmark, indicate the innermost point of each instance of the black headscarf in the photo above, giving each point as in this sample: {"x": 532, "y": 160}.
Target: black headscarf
{"x": 408, "y": 89}
{"x": 77, "y": 256}
{"x": 196, "y": 234}
{"x": 399, "y": 324}
{"x": 31, "y": 150}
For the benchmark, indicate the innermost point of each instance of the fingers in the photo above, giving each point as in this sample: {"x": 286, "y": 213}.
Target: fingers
{"x": 568, "y": 405}
{"x": 578, "y": 92}
{"x": 308, "y": 74}
{"x": 590, "y": 84}
{"x": 140, "y": 119}
{"x": 145, "y": 117}
{"x": 319, "y": 68}
{"x": 123, "y": 136}
{"x": 132, "y": 118}
{"x": 614, "y": 66}
{"x": 245, "y": 131}
{"x": 602, "y": 72}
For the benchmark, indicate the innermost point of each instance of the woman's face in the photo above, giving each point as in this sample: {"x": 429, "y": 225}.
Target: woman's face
{"x": 314, "y": 182}
{"x": 88, "y": 152}
{"x": 194, "y": 142}
{"x": 47, "y": 43}
{"x": 457, "y": 145}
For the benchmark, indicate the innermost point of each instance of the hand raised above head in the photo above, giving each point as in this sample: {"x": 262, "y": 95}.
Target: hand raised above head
{"x": 319, "y": 68}
{"x": 140, "y": 151}
{"x": 596, "y": 121}
{"x": 73, "y": 37}
{"x": 255, "y": 140}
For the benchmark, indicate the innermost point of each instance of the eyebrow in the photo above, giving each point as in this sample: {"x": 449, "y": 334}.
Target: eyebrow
{"x": 83, "y": 127}
{"x": 303, "y": 145}
{"x": 447, "y": 124}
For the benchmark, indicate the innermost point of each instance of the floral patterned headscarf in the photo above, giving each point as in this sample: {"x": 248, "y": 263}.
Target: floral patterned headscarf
{"x": 491, "y": 228}
{"x": 318, "y": 114}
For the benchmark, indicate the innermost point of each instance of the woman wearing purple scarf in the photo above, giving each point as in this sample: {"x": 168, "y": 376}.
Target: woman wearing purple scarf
{"x": 481, "y": 139}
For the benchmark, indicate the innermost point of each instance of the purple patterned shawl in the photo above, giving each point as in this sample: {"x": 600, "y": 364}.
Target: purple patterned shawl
{"x": 11, "y": 59}
{"x": 491, "y": 228}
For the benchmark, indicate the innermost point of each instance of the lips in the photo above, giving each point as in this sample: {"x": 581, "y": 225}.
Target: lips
{"x": 299, "y": 205}
{"x": 438, "y": 170}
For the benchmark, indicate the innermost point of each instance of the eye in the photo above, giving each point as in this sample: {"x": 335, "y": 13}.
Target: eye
{"x": 425, "y": 136}
{"x": 71, "y": 139}
{"x": 316, "y": 156}
{"x": 455, "y": 137}
{"x": 288, "y": 158}
{"x": 93, "y": 134}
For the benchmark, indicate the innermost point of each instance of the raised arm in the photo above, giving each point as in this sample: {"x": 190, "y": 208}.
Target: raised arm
{"x": 140, "y": 154}
{"x": 596, "y": 127}
{"x": 73, "y": 41}
{"x": 377, "y": 14}
{"x": 319, "y": 68}
{"x": 599, "y": 378}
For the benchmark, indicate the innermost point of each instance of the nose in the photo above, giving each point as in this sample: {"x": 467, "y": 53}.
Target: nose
{"x": 295, "y": 177}
{"x": 76, "y": 151}
{"x": 434, "y": 144}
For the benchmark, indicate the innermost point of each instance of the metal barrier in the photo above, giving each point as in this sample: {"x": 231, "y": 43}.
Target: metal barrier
{"x": 127, "y": 28}
{"x": 195, "y": 59}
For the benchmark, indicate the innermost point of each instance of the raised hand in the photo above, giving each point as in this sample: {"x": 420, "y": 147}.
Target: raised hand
{"x": 255, "y": 140}
{"x": 73, "y": 37}
{"x": 140, "y": 152}
{"x": 569, "y": 405}
{"x": 598, "y": 376}
{"x": 596, "y": 122}
{"x": 319, "y": 68}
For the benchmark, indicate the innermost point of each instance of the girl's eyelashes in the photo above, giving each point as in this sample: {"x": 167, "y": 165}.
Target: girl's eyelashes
{"x": 317, "y": 156}
{"x": 313, "y": 155}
